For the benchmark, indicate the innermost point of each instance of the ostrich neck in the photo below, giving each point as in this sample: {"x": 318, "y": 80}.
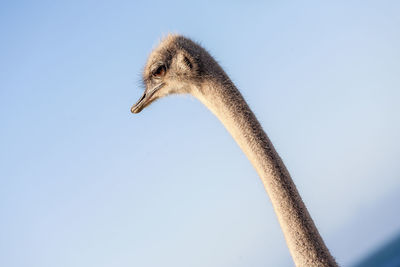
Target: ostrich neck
{"x": 305, "y": 243}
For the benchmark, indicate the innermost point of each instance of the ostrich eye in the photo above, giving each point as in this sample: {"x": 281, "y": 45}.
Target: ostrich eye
{"x": 159, "y": 72}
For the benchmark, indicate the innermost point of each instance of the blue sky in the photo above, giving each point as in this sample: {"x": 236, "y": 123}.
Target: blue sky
{"x": 83, "y": 182}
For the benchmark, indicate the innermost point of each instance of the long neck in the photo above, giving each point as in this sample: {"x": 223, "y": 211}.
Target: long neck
{"x": 302, "y": 237}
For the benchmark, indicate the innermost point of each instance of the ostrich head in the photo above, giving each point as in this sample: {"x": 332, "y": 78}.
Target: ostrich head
{"x": 176, "y": 66}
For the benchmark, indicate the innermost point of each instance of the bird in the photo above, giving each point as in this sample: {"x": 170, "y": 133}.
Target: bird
{"x": 178, "y": 65}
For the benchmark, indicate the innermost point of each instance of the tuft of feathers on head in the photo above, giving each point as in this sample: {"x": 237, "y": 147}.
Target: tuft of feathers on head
{"x": 184, "y": 61}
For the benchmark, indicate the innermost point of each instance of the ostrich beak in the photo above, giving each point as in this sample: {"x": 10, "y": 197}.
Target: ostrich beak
{"x": 140, "y": 104}
{"x": 145, "y": 99}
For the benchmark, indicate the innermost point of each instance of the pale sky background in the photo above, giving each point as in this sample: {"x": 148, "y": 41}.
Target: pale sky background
{"x": 83, "y": 182}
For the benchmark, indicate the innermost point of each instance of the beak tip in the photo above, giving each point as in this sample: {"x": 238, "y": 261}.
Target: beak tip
{"x": 135, "y": 110}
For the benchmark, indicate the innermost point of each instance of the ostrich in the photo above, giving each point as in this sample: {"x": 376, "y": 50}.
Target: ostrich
{"x": 180, "y": 66}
